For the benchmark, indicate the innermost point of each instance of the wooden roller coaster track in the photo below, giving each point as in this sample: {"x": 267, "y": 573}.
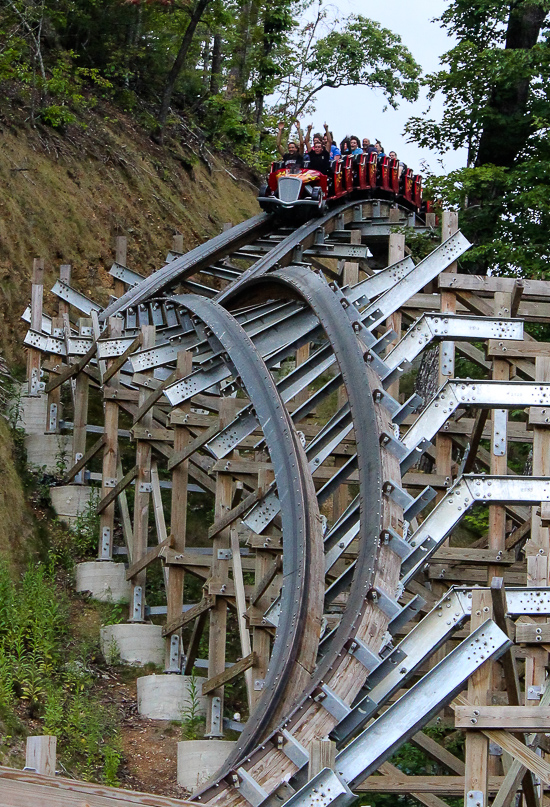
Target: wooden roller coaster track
{"x": 263, "y": 370}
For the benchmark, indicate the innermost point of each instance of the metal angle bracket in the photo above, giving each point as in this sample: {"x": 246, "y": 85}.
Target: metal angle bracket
{"x": 414, "y": 454}
{"x": 292, "y": 749}
{"x": 405, "y": 615}
{"x": 408, "y": 408}
{"x": 364, "y": 655}
{"x": 387, "y": 401}
{"x": 386, "y": 603}
{"x": 249, "y": 788}
{"x": 377, "y": 364}
{"x": 419, "y": 503}
{"x": 394, "y": 446}
{"x": 397, "y": 494}
{"x": 474, "y": 798}
{"x": 357, "y": 717}
{"x": 326, "y": 788}
{"x": 332, "y": 703}
{"x": 394, "y": 541}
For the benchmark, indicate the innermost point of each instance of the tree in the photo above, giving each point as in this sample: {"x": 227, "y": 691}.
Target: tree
{"x": 362, "y": 53}
{"x": 495, "y": 84}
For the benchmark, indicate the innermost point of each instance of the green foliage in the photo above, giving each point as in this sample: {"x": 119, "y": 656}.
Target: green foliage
{"x": 86, "y": 527}
{"x": 45, "y": 673}
{"x": 477, "y": 519}
{"x": 192, "y": 720}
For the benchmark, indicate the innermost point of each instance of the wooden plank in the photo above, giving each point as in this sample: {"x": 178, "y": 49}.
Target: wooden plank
{"x": 126, "y": 480}
{"x": 533, "y": 633}
{"x": 275, "y": 566}
{"x": 532, "y": 289}
{"x": 512, "y": 349}
{"x": 85, "y": 459}
{"x": 513, "y": 746}
{"x": 152, "y": 433}
{"x": 438, "y": 753}
{"x": 179, "y": 456}
{"x": 228, "y": 675}
{"x": 152, "y": 383}
{"x": 473, "y": 556}
{"x": 511, "y": 718}
{"x": 240, "y": 597}
{"x": 22, "y": 788}
{"x": 151, "y": 555}
{"x": 201, "y": 607}
{"x": 403, "y": 784}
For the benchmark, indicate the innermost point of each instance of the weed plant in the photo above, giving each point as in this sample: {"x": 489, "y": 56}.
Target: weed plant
{"x": 192, "y": 723}
{"x": 45, "y": 675}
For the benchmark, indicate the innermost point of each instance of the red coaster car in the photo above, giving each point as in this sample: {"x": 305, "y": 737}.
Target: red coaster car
{"x": 289, "y": 188}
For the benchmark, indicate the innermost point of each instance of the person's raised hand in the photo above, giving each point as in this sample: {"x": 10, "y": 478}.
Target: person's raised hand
{"x": 326, "y": 126}
{"x": 281, "y": 125}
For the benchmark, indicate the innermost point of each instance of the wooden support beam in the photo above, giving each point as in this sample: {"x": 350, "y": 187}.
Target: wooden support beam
{"x": 142, "y": 494}
{"x": 240, "y": 598}
{"x": 401, "y": 784}
{"x": 126, "y": 480}
{"x": 151, "y": 400}
{"x": 192, "y": 446}
{"x": 201, "y": 607}
{"x": 110, "y": 453}
{"x": 228, "y": 518}
{"x": 512, "y": 718}
{"x": 228, "y": 675}
{"x": 151, "y": 555}
{"x": 477, "y": 433}
{"x": 33, "y": 354}
{"x": 41, "y": 754}
{"x": 85, "y": 459}
{"x": 178, "y": 518}
{"x": 72, "y": 370}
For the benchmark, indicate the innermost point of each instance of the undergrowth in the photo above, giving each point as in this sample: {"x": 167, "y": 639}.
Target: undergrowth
{"x": 46, "y": 676}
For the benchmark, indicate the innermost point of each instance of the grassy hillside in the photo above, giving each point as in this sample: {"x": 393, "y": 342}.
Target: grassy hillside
{"x": 67, "y": 195}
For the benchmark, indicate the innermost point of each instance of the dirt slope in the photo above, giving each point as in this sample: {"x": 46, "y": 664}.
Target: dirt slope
{"x": 66, "y": 196}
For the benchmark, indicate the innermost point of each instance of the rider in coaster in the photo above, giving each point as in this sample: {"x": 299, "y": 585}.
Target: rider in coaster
{"x": 293, "y": 157}
{"x": 354, "y": 145}
{"x": 319, "y": 155}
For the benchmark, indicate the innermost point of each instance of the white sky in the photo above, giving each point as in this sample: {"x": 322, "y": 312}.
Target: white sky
{"x": 359, "y": 110}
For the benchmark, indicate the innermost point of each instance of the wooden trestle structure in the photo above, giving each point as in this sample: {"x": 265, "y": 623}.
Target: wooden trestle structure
{"x": 264, "y": 371}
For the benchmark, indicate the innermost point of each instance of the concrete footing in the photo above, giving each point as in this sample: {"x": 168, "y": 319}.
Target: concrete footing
{"x": 32, "y": 412}
{"x": 169, "y": 697}
{"x": 104, "y": 579}
{"x": 133, "y": 643}
{"x": 198, "y": 760}
{"x": 49, "y": 451}
{"x": 69, "y": 500}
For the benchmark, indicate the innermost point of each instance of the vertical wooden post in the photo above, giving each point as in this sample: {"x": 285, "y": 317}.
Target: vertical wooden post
{"x": 53, "y": 407}
{"x": 396, "y": 252}
{"x": 178, "y": 522}
{"x": 479, "y": 687}
{"x": 537, "y": 549}
{"x": 109, "y": 471}
{"x": 302, "y": 355}
{"x": 499, "y": 448}
{"x": 121, "y": 257}
{"x": 80, "y": 415}
{"x": 142, "y": 495}
{"x": 41, "y": 754}
{"x": 261, "y": 642}
{"x": 443, "y": 443}
{"x": 37, "y": 297}
{"x": 219, "y": 579}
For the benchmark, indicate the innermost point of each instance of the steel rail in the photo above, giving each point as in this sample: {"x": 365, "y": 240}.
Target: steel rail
{"x": 295, "y": 645}
{"x": 190, "y": 263}
{"x": 349, "y": 354}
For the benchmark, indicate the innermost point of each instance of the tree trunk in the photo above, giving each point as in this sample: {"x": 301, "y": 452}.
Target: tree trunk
{"x": 198, "y": 11}
{"x": 216, "y": 69}
{"x": 508, "y": 125}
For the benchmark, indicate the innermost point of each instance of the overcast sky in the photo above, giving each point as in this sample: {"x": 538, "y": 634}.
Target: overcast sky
{"x": 359, "y": 110}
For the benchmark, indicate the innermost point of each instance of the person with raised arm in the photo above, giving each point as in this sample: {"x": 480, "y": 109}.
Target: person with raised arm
{"x": 293, "y": 157}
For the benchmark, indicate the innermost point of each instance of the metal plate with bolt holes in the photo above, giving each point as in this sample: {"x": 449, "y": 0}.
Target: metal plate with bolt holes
{"x": 416, "y": 707}
{"x": 127, "y": 276}
{"x": 326, "y": 788}
{"x": 487, "y": 394}
{"x": 74, "y": 298}
{"x": 457, "y": 500}
{"x": 459, "y": 327}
